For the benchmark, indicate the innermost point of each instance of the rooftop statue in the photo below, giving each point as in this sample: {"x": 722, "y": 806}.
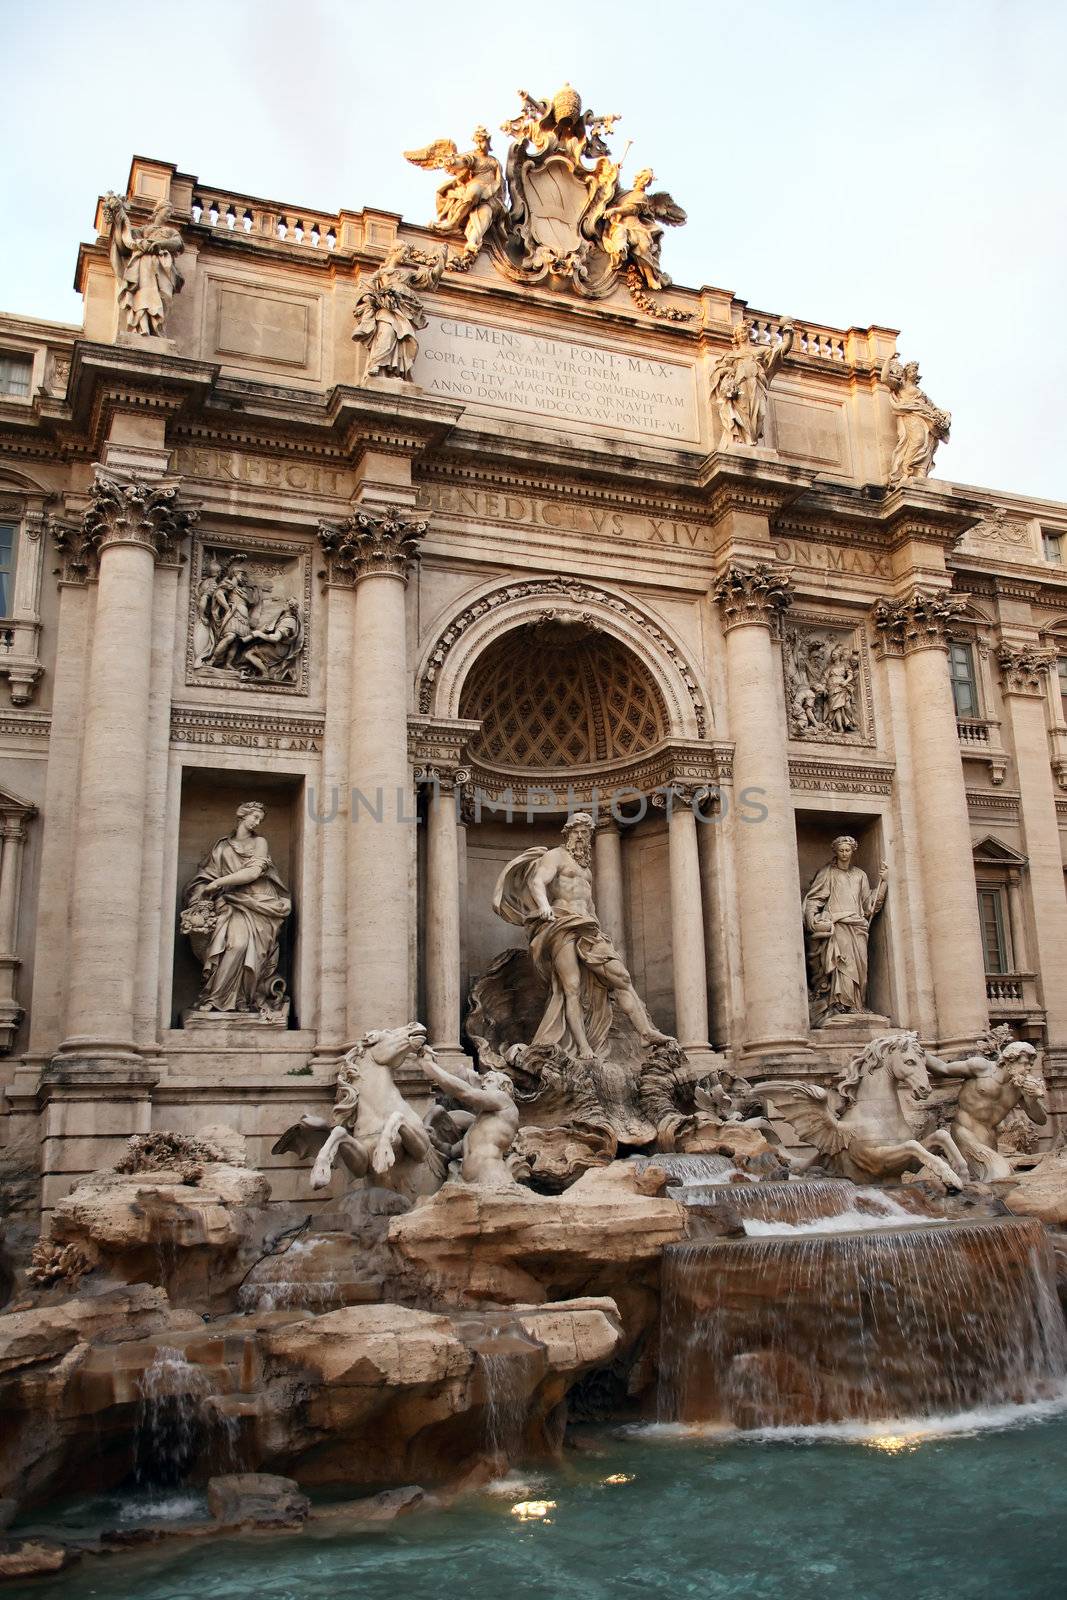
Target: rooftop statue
{"x": 472, "y": 197}
{"x": 144, "y": 261}
{"x": 867, "y": 1127}
{"x": 921, "y": 426}
{"x": 389, "y": 312}
{"x": 741, "y": 380}
{"x": 633, "y": 229}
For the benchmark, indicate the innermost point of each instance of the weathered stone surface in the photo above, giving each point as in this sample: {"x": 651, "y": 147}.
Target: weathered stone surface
{"x": 536, "y": 1247}
{"x": 153, "y": 1227}
{"x": 30, "y": 1558}
{"x": 1043, "y": 1191}
{"x": 375, "y": 1509}
{"x": 258, "y": 1497}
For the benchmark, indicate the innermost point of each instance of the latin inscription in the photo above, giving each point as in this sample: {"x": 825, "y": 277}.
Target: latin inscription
{"x": 507, "y": 370}
{"x": 832, "y": 558}
{"x": 567, "y": 516}
{"x": 265, "y": 472}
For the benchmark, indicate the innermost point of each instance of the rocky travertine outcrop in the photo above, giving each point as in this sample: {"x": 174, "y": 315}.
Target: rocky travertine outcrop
{"x": 260, "y": 1498}
{"x": 1042, "y": 1192}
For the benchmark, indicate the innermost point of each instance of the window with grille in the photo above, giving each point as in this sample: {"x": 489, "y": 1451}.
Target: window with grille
{"x": 15, "y": 374}
{"x": 994, "y": 940}
{"x": 1061, "y": 674}
{"x": 7, "y": 567}
{"x": 964, "y": 683}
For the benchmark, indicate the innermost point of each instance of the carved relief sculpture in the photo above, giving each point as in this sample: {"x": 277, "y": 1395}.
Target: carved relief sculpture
{"x": 838, "y": 909}
{"x": 241, "y": 629}
{"x": 1000, "y": 1076}
{"x": 740, "y": 383}
{"x": 144, "y": 261}
{"x": 823, "y": 684}
{"x": 472, "y": 197}
{"x": 921, "y": 426}
{"x": 234, "y": 911}
{"x": 389, "y": 312}
{"x": 868, "y": 1126}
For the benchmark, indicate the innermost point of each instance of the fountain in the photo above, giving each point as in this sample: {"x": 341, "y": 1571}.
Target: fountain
{"x": 171, "y": 1419}
{"x": 800, "y": 1327}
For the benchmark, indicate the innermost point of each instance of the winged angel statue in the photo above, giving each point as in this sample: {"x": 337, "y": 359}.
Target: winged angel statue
{"x": 565, "y": 214}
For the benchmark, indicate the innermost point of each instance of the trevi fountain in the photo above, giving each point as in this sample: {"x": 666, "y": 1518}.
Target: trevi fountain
{"x": 533, "y": 922}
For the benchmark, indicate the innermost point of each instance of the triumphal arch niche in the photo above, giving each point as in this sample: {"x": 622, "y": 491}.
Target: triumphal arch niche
{"x": 345, "y": 560}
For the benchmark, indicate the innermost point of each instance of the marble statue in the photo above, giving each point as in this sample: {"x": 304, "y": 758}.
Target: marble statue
{"x": 741, "y": 380}
{"x": 374, "y": 1132}
{"x": 995, "y": 1080}
{"x": 633, "y": 229}
{"x": 144, "y": 261}
{"x": 389, "y": 312}
{"x": 491, "y": 1132}
{"x": 822, "y": 685}
{"x": 921, "y": 426}
{"x": 867, "y": 1127}
{"x": 234, "y": 910}
{"x": 472, "y": 197}
{"x": 550, "y": 894}
{"x": 838, "y": 908}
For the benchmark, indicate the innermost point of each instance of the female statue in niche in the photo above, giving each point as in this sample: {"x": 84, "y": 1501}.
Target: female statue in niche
{"x": 235, "y": 908}
{"x": 838, "y": 909}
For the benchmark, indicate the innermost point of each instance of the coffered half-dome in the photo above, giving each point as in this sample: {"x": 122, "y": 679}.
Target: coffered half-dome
{"x": 557, "y": 694}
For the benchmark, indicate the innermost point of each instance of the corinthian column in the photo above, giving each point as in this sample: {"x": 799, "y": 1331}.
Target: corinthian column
{"x": 443, "y": 998}
{"x": 687, "y": 921}
{"x": 1023, "y": 674}
{"x": 130, "y": 525}
{"x": 374, "y": 551}
{"x": 608, "y": 884}
{"x": 751, "y": 601}
{"x": 915, "y": 626}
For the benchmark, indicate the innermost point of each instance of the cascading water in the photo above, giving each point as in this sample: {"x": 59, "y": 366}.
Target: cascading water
{"x": 814, "y": 1204}
{"x": 298, "y": 1278}
{"x": 178, "y": 1423}
{"x": 510, "y": 1364}
{"x": 800, "y": 1327}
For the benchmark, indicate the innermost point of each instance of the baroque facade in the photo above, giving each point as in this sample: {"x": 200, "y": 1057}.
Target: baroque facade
{"x": 399, "y": 544}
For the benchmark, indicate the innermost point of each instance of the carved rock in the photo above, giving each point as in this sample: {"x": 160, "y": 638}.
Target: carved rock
{"x": 1043, "y": 1191}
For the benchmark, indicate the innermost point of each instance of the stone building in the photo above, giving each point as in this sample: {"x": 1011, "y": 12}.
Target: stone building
{"x": 528, "y": 542}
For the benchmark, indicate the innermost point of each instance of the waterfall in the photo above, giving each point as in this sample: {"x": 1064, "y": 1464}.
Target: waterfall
{"x": 803, "y": 1327}
{"x": 177, "y": 1422}
{"x": 299, "y": 1278}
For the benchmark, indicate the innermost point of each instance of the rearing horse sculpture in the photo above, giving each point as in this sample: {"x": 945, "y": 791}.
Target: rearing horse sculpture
{"x": 865, "y": 1128}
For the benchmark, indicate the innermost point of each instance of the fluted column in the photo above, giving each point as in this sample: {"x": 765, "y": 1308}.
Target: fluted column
{"x": 443, "y": 997}
{"x": 374, "y": 551}
{"x": 687, "y": 921}
{"x": 915, "y": 626}
{"x": 1016, "y": 922}
{"x": 129, "y": 526}
{"x": 607, "y": 882}
{"x": 751, "y": 601}
{"x": 1023, "y": 671}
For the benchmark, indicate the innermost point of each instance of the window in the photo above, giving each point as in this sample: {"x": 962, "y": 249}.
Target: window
{"x": 1061, "y": 673}
{"x": 994, "y": 942}
{"x": 964, "y": 685}
{"x": 1052, "y": 545}
{"x": 7, "y": 566}
{"x": 15, "y": 375}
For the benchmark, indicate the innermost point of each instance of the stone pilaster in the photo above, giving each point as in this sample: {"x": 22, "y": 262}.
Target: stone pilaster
{"x": 915, "y": 626}
{"x": 12, "y": 839}
{"x": 608, "y": 888}
{"x": 688, "y": 954}
{"x": 443, "y": 832}
{"x": 1023, "y": 671}
{"x": 374, "y": 552}
{"x": 130, "y": 525}
{"x": 751, "y": 601}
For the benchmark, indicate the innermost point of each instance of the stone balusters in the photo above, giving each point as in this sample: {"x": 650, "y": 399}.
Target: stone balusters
{"x": 915, "y": 626}
{"x": 373, "y": 551}
{"x": 751, "y": 601}
{"x": 1024, "y": 672}
{"x": 130, "y": 525}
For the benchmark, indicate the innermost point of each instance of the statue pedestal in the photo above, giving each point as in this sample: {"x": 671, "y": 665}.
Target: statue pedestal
{"x": 151, "y": 343}
{"x": 856, "y": 1027}
{"x": 232, "y": 1028}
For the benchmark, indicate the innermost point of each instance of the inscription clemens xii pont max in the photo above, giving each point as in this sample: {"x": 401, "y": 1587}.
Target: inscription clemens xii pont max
{"x": 514, "y": 371}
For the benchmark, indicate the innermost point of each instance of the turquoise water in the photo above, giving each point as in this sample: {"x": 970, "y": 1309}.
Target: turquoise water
{"x": 893, "y": 1515}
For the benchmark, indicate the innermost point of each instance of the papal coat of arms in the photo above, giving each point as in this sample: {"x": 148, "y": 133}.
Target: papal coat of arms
{"x": 562, "y": 212}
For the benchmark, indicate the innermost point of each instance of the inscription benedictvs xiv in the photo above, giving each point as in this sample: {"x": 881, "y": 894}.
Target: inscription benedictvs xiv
{"x": 505, "y": 370}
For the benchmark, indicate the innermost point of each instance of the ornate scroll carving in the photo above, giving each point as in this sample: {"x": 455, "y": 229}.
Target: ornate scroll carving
{"x": 370, "y": 543}
{"x": 827, "y": 690}
{"x": 759, "y": 594}
{"x": 921, "y": 426}
{"x": 919, "y": 621}
{"x": 1023, "y": 668}
{"x": 248, "y": 617}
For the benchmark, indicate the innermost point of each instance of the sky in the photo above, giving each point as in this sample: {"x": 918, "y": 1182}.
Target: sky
{"x": 895, "y": 163}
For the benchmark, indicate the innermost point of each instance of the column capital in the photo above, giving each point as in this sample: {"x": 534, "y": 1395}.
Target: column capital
{"x": 683, "y": 796}
{"x": 445, "y": 777}
{"x": 128, "y": 511}
{"x": 921, "y": 620}
{"x": 372, "y": 543}
{"x": 756, "y": 595}
{"x": 1023, "y": 669}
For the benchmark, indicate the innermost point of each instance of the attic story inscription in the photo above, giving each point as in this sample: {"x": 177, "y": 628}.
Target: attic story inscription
{"x": 503, "y": 368}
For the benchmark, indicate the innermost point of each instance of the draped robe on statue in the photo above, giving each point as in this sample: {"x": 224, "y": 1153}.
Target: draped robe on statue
{"x": 515, "y": 902}
{"x": 837, "y": 957}
{"x": 240, "y": 954}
